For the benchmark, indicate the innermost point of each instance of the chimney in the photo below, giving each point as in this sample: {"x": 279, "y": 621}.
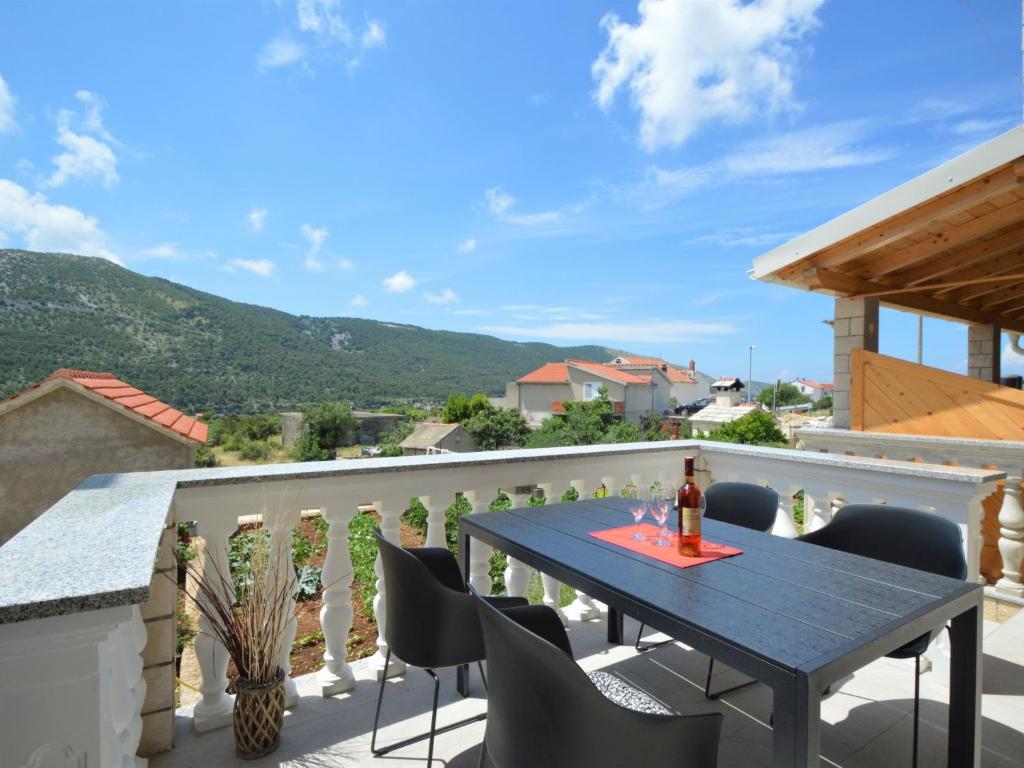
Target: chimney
{"x": 693, "y": 365}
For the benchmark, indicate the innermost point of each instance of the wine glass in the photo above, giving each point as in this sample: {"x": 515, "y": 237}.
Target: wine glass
{"x": 659, "y": 512}
{"x": 666, "y": 503}
{"x": 638, "y": 509}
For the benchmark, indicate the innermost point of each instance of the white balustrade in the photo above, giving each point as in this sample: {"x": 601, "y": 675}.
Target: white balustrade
{"x": 583, "y": 608}
{"x": 552, "y": 587}
{"x": 336, "y": 615}
{"x": 1006, "y": 455}
{"x": 217, "y": 498}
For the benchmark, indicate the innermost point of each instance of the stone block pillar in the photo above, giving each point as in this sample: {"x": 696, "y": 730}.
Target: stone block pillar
{"x": 158, "y": 655}
{"x": 855, "y": 327}
{"x": 983, "y": 351}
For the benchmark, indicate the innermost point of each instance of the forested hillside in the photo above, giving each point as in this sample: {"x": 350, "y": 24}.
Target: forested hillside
{"x": 201, "y": 352}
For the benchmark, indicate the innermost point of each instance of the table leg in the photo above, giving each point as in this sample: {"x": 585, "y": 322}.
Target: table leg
{"x": 965, "y": 689}
{"x": 615, "y": 630}
{"x": 462, "y": 672}
{"x": 796, "y": 737}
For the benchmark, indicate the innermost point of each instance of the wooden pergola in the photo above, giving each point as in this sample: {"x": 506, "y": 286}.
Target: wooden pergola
{"x": 948, "y": 244}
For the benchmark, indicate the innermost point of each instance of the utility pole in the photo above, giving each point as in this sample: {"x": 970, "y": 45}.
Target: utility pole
{"x": 750, "y": 370}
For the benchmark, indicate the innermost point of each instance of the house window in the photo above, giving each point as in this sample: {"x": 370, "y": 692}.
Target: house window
{"x": 590, "y": 389}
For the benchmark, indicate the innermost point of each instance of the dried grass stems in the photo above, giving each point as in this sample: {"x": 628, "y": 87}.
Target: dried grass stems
{"x": 248, "y": 618}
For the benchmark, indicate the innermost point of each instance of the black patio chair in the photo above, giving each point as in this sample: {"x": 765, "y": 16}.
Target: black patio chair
{"x": 431, "y": 622}
{"x": 743, "y": 504}
{"x": 546, "y": 712}
{"x": 900, "y": 536}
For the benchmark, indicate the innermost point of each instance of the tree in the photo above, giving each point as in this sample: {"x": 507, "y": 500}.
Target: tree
{"x": 331, "y": 423}
{"x": 460, "y": 408}
{"x": 494, "y": 428}
{"x": 824, "y": 403}
{"x": 756, "y": 428}
{"x": 585, "y": 423}
{"x": 788, "y": 394}
{"x": 307, "y": 448}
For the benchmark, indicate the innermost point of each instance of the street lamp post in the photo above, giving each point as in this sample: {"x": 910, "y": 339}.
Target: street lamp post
{"x": 750, "y": 372}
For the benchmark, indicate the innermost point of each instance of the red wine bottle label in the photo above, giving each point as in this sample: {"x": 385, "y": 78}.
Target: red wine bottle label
{"x": 691, "y": 521}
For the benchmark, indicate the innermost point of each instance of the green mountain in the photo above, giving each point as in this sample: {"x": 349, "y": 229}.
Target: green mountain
{"x": 201, "y": 352}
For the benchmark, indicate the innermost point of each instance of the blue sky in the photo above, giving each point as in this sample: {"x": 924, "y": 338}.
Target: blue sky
{"x": 572, "y": 172}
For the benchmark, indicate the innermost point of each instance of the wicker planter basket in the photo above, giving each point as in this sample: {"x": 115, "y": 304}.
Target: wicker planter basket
{"x": 259, "y": 714}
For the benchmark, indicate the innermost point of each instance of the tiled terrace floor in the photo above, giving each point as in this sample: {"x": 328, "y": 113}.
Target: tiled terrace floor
{"x": 866, "y": 721}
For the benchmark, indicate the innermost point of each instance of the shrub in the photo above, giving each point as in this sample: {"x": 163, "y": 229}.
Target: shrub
{"x": 571, "y": 494}
{"x": 205, "y": 457}
{"x": 307, "y": 448}
{"x": 255, "y": 450}
{"x": 756, "y": 428}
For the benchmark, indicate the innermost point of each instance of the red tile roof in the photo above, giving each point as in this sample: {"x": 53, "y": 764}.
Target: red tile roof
{"x": 610, "y": 372}
{"x": 549, "y": 373}
{"x": 815, "y": 384}
{"x": 673, "y": 374}
{"x": 135, "y": 400}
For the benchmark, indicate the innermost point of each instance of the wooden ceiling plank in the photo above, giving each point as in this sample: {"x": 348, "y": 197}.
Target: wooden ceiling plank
{"x": 990, "y": 278}
{"x": 1009, "y": 295}
{"x": 951, "y": 238}
{"x": 964, "y": 257}
{"x": 847, "y": 285}
{"x": 909, "y": 222}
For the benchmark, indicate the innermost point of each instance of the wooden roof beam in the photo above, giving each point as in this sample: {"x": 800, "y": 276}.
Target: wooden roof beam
{"x": 988, "y": 281}
{"x": 951, "y": 237}
{"x": 991, "y": 251}
{"x": 909, "y": 222}
{"x": 1010, "y": 294}
{"x": 852, "y": 287}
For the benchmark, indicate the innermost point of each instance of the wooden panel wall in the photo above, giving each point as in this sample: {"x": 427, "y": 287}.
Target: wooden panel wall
{"x": 896, "y": 396}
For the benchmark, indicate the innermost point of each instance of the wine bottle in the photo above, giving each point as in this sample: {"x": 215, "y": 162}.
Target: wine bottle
{"x": 689, "y": 501}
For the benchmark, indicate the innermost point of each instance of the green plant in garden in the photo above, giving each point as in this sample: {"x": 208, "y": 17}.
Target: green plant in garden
{"x": 362, "y": 548}
{"x": 756, "y": 428}
{"x": 571, "y": 494}
{"x": 306, "y": 448}
{"x": 307, "y": 580}
{"x": 205, "y": 457}
{"x": 255, "y": 450}
{"x": 185, "y": 549}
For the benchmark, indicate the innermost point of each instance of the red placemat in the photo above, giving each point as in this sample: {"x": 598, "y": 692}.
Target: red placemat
{"x": 623, "y": 537}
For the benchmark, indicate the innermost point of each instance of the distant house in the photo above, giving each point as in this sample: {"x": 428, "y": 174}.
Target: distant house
{"x": 685, "y": 385}
{"x": 813, "y": 389}
{"x": 545, "y": 390}
{"x": 728, "y": 405}
{"x": 75, "y": 424}
{"x": 430, "y": 437}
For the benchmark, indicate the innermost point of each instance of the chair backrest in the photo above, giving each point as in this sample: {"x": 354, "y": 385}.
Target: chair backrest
{"x": 543, "y": 711}
{"x": 744, "y": 504}
{"x": 908, "y": 537}
{"x": 426, "y": 623}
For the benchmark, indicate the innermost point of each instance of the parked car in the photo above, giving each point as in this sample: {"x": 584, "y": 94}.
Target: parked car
{"x": 689, "y": 409}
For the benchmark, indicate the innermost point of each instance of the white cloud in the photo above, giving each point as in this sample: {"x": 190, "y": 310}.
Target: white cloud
{"x": 315, "y": 236}
{"x": 500, "y": 204}
{"x": 981, "y": 126}
{"x": 162, "y": 251}
{"x": 687, "y": 63}
{"x": 85, "y": 157}
{"x": 469, "y": 312}
{"x": 359, "y": 301}
{"x": 324, "y": 33}
{"x": 346, "y": 265}
{"x": 48, "y": 227}
{"x": 639, "y": 332}
{"x": 280, "y": 52}
{"x": 825, "y": 147}
{"x": 258, "y": 218}
{"x": 447, "y": 296}
{"x": 261, "y": 267}
{"x": 7, "y": 122}
{"x": 467, "y": 246}
{"x": 400, "y": 282}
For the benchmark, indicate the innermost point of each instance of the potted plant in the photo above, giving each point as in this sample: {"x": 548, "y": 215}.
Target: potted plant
{"x": 248, "y": 613}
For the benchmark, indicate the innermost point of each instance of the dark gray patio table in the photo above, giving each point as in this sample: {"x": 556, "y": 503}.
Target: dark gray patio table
{"x": 792, "y": 615}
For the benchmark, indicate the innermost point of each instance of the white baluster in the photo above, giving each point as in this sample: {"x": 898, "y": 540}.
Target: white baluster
{"x": 389, "y": 526}
{"x": 785, "y": 525}
{"x": 583, "y": 607}
{"x": 336, "y": 616}
{"x": 552, "y": 586}
{"x": 282, "y": 576}
{"x": 435, "y": 523}
{"x": 136, "y": 643}
{"x": 124, "y": 689}
{"x": 479, "y": 553}
{"x": 214, "y": 710}
{"x": 517, "y": 574}
{"x": 817, "y": 508}
{"x": 1011, "y": 539}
